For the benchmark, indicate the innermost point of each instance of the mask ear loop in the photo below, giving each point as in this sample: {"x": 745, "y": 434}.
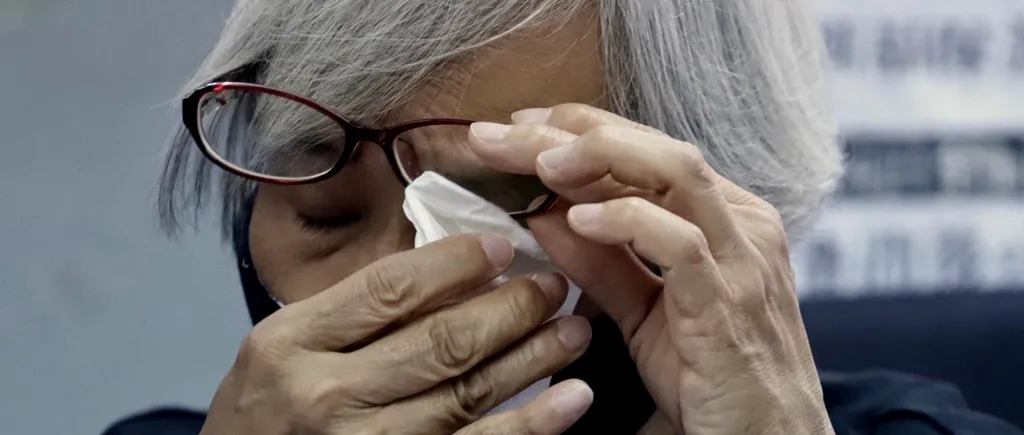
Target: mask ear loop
{"x": 259, "y": 302}
{"x": 246, "y": 264}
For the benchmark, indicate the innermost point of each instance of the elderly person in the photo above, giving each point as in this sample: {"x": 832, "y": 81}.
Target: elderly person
{"x": 684, "y": 140}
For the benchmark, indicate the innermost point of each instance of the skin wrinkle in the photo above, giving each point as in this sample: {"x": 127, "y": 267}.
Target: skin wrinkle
{"x": 742, "y": 80}
{"x": 480, "y": 86}
{"x": 719, "y": 75}
{"x": 296, "y": 264}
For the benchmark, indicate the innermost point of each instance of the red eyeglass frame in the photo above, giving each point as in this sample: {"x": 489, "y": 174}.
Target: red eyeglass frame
{"x": 354, "y": 135}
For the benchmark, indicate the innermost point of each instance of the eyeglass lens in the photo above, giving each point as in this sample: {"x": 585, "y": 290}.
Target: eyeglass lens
{"x": 281, "y": 138}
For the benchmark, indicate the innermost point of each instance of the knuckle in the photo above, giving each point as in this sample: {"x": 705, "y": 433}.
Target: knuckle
{"x": 777, "y": 239}
{"x": 749, "y": 296}
{"x": 317, "y": 405}
{"x": 627, "y": 209}
{"x": 769, "y": 231}
{"x": 464, "y": 249}
{"x": 703, "y": 175}
{"x": 539, "y": 130}
{"x": 776, "y": 228}
{"x": 653, "y": 130}
{"x": 454, "y": 347}
{"x": 573, "y": 113}
{"x": 473, "y": 395}
{"x": 692, "y": 160}
{"x": 633, "y": 203}
{"x": 693, "y": 246}
{"x": 526, "y": 305}
{"x": 262, "y": 345}
{"x": 690, "y": 152}
{"x": 581, "y": 115}
{"x": 603, "y": 133}
{"x": 538, "y": 350}
{"x": 523, "y": 132}
{"x": 774, "y": 217}
{"x": 389, "y": 289}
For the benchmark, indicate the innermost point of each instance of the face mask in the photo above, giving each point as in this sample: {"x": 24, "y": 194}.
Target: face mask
{"x": 438, "y": 207}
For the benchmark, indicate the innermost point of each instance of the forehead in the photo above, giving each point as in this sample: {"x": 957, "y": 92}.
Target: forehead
{"x": 379, "y": 82}
{"x": 541, "y": 67}
{"x": 538, "y": 69}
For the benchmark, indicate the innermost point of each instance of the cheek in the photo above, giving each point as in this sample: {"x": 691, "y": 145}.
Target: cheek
{"x": 291, "y": 281}
{"x": 281, "y": 254}
{"x": 295, "y": 263}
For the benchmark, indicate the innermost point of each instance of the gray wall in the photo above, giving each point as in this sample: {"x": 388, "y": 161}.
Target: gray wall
{"x": 100, "y": 315}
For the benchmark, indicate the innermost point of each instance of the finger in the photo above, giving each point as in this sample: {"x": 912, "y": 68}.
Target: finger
{"x": 611, "y": 275}
{"x": 551, "y": 413}
{"x": 677, "y": 246}
{"x": 453, "y": 341}
{"x": 581, "y": 119}
{"x": 393, "y": 289}
{"x": 685, "y": 184}
{"x": 452, "y": 405}
{"x": 514, "y": 149}
{"x": 577, "y": 118}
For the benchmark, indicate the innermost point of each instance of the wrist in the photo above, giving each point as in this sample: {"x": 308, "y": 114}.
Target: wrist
{"x": 807, "y": 418}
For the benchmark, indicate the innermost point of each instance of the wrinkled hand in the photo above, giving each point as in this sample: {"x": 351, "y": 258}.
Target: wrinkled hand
{"x": 379, "y": 353}
{"x": 718, "y": 338}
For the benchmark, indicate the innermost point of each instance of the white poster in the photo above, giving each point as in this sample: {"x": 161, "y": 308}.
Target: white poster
{"x": 929, "y": 96}
{"x": 926, "y": 66}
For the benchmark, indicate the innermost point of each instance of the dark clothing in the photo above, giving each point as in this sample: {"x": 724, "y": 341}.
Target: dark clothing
{"x": 876, "y": 403}
{"x": 160, "y": 422}
{"x": 972, "y": 338}
{"x": 888, "y": 403}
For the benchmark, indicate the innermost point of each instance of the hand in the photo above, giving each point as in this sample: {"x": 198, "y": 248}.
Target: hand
{"x": 358, "y": 357}
{"x": 718, "y": 338}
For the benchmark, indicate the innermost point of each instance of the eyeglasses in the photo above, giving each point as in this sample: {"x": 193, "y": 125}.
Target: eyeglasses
{"x": 272, "y": 136}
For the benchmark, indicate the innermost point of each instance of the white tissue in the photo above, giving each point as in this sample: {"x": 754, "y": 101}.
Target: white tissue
{"x": 437, "y": 208}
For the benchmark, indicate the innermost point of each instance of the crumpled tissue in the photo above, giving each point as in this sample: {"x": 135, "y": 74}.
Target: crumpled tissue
{"x": 438, "y": 207}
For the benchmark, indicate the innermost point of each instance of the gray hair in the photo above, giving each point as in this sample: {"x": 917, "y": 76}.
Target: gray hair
{"x": 742, "y": 79}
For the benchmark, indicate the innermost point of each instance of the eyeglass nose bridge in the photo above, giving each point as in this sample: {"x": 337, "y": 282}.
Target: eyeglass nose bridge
{"x": 358, "y": 134}
{"x": 382, "y": 138}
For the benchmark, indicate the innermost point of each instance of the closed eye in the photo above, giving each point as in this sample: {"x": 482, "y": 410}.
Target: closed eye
{"x": 329, "y": 224}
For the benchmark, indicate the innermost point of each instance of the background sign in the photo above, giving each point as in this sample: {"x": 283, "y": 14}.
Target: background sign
{"x": 929, "y": 96}
{"x": 926, "y": 66}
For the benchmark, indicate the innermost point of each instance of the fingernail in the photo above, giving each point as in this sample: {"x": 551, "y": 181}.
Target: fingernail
{"x": 584, "y": 214}
{"x": 489, "y": 132}
{"x": 531, "y": 116}
{"x": 553, "y": 286}
{"x": 573, "y": 399}
{"x": 573, "y": 332}
{"x": 554, "y": 158}
{"x": 498, "y": 250}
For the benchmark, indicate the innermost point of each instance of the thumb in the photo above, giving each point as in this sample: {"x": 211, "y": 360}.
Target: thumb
{"x": 551, "y": 413}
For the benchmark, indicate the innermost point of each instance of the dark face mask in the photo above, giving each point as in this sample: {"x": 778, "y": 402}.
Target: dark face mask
{"x": 257, "y": 298}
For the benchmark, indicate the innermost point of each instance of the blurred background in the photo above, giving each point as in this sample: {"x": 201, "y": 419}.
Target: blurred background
{"x": 101, "y": 315}
{"x": 929, "y": 95}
